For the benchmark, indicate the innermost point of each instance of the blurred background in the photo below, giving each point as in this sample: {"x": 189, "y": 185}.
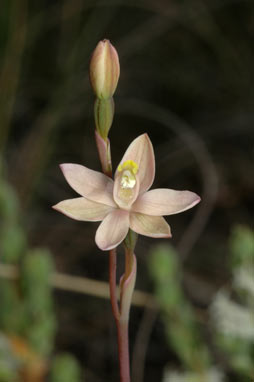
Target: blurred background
{"x": 187, "y": 79}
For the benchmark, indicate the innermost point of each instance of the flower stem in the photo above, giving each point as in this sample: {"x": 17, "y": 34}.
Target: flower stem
{"x": 123, "y": 350}
{"x": 104, "y": 113}
{"x": 112, "y": 284}
{"x": 121, "y": 314}
{"x": 103, "y": 147}
{"x": 120, "y": 311}
{"x": 121, "y": 322}
{"x": 127, "y": 284}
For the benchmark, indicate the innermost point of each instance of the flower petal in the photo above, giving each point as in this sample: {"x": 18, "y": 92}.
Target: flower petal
{"x": 83, "y": 209}
{"x": 89, "y": 183}
{"x": 141, "y": 152}
{"x": 163, "y": 201}
{"x": 113, "y": 230}
{"x": 153, "y": 226}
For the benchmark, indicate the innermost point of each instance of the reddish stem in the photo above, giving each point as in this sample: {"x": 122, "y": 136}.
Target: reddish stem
{"x": 123, "y": 350}
{"x": 112, "y": 284}
{"x": 122, "y": 325}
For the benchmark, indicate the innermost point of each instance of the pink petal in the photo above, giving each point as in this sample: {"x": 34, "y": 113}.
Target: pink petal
{"x": 163, "y": 201}
{"x": 125, "y": 197}
{"x": 91, "y": 184}
{"x": 153, "y": 226}
{"x": 83, "y": 209}
{"x": 113, "y": 230}
{"x": 141, "y": 152}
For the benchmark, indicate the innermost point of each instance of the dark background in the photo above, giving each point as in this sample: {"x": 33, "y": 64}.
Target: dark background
{"x": 187, "y": 79}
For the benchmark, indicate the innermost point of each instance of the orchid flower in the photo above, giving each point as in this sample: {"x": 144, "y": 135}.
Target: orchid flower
{"x": 124, "y": 202}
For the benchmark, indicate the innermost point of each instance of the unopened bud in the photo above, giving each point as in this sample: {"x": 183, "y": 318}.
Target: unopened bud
{"x": 104, "y": 70}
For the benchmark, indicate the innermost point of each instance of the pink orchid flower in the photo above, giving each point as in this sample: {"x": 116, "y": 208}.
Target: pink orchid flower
{"x": 125, "y": 202}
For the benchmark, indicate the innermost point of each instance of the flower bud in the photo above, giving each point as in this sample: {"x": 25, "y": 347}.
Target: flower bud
{"x": 104, "y": 70}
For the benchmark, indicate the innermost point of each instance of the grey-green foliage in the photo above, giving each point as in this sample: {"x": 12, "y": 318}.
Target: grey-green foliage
{"x": 178, "y": 316}
{"x": 8, "y": 363}
{"x": 12, "y": 237}
{"x": 234, "y": 320}
{"x": 13, "y": 243}
{"x": 65, "y": 369}
{"x": 242, "y": 246}
{"x": 26, "y": 303}
{"x": 210, "y": 375}
{"x": 12, "y": 249}
{"x": 12, "y": 313}
{"x": 36, "y": 270}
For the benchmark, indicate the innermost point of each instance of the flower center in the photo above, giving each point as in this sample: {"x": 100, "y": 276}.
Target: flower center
{"x": 129, "y": 169}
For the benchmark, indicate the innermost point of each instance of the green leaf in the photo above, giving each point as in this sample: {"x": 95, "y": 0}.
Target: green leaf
{"x": 65, "y": 368}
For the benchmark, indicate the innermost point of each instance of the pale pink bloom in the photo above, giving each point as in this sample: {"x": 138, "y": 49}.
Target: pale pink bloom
{"x": 125, "y": 202}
